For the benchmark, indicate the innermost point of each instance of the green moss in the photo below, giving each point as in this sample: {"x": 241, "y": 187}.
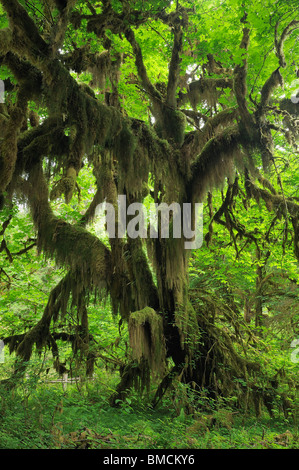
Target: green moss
{"x": 6, "y": 38}
{"x": 125, "y": 146}
{"x": 8, "y": 147}
{"x": 147, "y": 339}
{"x": 171, "y": 125}
{"x": 66, "y": 187}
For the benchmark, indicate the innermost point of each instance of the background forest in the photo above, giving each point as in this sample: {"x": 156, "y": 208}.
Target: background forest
{"x": 111, "y": 343}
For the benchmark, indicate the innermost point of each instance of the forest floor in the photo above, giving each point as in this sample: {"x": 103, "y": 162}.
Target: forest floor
{"x": 47, "y": 417}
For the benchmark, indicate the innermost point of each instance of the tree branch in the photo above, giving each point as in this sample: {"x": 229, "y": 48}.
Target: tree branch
{"x": 240, "y": 85}
{"x": 149, "y": 87}
{"x": 59, "y": 29}
{"x": 24, "y": 250}
{"x": 195, "y": 141}
{"x": 26, "y": 37}
{"x": 6, "y": 38}
{"x": 174, "y": 67}
{"x": 25, "y": 73}
{"x": 216, "y": 162}
{"x": 90, "y": 212}
{"x": 8, "y": 147}
{"x": 273, "y": 82}
{"x": 279, "y": 42}
{"x": 70, "y": 245}
{"x": 273, "y": 201}
{"x": 204, "y": 89}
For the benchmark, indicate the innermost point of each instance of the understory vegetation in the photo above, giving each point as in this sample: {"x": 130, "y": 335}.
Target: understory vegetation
{"x": 43, "y": 416}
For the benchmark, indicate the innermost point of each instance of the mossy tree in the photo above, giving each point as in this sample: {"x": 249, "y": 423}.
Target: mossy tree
{"x": 160, "y": 98}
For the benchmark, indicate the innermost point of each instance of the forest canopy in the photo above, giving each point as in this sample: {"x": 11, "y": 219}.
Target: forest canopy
{"x": 162, "y": 102}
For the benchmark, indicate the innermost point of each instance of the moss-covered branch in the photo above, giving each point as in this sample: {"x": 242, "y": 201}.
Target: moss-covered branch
{"x": 273, "y": 201}
{"x": 240, "y": 84}
{"x": 196, "y": 140}
{"x": 6, "y": 38}
{"x": 204, "y": 90}
{"x": 26, "y": 36}
{"x": 216, "y": 161}
{"x": 149, "y": 87}
{"x": 59, "y": 29}
{"x": 84, "y": 254}
{"x": 278, "y": 203}
{"x": 24, "y": 72}
{"x": 279, "y": 41}
{"x": 174, "y": 66}
{"x": 9, "y": 133}
{"x": 143, "y": 288}
{"x": 273, "y": 82}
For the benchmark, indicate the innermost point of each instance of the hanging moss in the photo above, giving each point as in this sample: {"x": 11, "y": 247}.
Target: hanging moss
{"x": 99, "y": 69}
{"x": 34, "y": 118}
{"x": 124, "y": 146}
{"x": 77, "y": 60}
{"x": 147, "y": 339}
{"x": 6, "y": 38}
{"x": 267, "y": 147}
{"x": 140, "y": 274}
{"x": 8, "y": 147}
{"x": 217, "y": 161}
{"x": 103, "y": 68}
{"x": 73, "y": 246}
{"x": 65, "y": 186}
{"x": 207, "y": 90}
{"x": 174, "y": 125}
{"x": 171, "y": 125}
{"x": 138, "y": 152}
{"x": 133, "y": 375}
